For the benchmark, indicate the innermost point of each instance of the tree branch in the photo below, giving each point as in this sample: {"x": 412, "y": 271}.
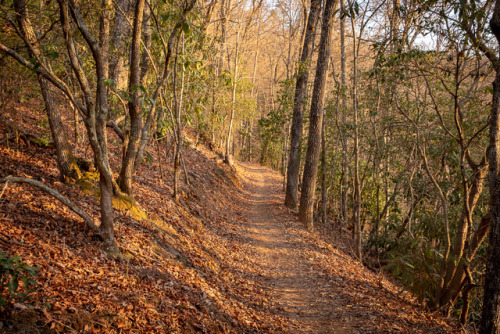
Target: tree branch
{"x": 64, "y": 200}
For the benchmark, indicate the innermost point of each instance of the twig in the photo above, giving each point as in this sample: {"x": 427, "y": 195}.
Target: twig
{"x": 4, "y": 187}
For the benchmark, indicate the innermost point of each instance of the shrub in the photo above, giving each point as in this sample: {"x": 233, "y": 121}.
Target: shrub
{"x": 16, "y": 279}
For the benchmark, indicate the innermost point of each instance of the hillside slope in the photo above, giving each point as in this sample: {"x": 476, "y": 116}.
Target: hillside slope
{"x": 227, "y": 258}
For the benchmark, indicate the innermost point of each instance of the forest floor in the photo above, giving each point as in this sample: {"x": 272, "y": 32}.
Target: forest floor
{"x": 229, "y": 257}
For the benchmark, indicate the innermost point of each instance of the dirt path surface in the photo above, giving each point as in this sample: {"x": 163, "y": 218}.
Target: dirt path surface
{"x": 297, "y": 291}
{"x": 314, "y": 284}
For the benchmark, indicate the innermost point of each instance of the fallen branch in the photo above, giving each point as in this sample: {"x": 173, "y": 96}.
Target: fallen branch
{"x": 64, "y": 200}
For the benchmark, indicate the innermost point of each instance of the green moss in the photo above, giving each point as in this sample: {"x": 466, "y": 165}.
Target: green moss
{"x": 41, "y": 142}
{"x": 91, "y": 176}
{"x": 125, "y": 203}
{"x": 89, "y": 183}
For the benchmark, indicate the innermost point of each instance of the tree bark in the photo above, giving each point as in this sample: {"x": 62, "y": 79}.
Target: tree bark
{"x": 343, "y": 179}
{"x": 316, "y": 118}
{"x": 357, "y": 188}
{"x": 298, "y": 106}
{"x": 121, "y": 30}
{"x": 152, "y": 114}
{"x": 227, "y": 158}
{"x": 324, "y": 190}
{"x": 107, "y": 213}
{"x": 135, "y": 105}
{"x": 225, "y": 7}
{"x": 177, "y": 122}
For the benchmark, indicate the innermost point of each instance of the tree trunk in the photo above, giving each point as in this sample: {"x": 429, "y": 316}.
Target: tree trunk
{"x": 93, "y": 104}
{"x": 316, "y": 118}
{"x": 298, "y": 105}
{"x": 225, "y": 6}
{"x": 135, "y": 105}
{"x": 178, "y": 124}
{"x": 463, "y": 251}
{"x": 324, "y": 195}
{"x": 121, "y": 30}
{"x": 95, "y": 112}
{"x": 227, "y": 157}
{"x": 357, "y": 187}
{"x": 152, "y": 114}
{"x": 490, "y": 319}
{"x": 343, "y": 179}
{"x": 106, "y": 227}
{"x": 66, "y": 162}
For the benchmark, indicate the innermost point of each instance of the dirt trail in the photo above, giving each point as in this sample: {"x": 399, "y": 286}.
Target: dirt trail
{"x": 315, "y": 284}
{"x": 296, "y": 286}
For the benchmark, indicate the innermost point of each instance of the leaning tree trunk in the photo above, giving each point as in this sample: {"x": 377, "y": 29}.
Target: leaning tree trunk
{"x": 298, "y": 105}
{"x": 490, "y": 320}
{"x": 66, "y": 162}
{"x": 316, "y": 118}
{"x": 177, "y": 122}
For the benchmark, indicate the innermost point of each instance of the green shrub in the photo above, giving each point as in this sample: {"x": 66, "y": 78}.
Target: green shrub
{"x": 16, "y": 279}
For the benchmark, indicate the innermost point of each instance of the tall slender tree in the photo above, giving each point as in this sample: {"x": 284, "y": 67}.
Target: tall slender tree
{"x": 357, "y": 186}
{"x": 135, "y": 103}
{"x": 316, "y": 117}
{"x": 298, "y": 106}
{"x": 343, "y": 177}
{"x": 227, "y": 156}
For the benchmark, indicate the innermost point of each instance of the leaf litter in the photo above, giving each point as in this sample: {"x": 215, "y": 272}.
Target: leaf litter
{"x": 228, "y": 258}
